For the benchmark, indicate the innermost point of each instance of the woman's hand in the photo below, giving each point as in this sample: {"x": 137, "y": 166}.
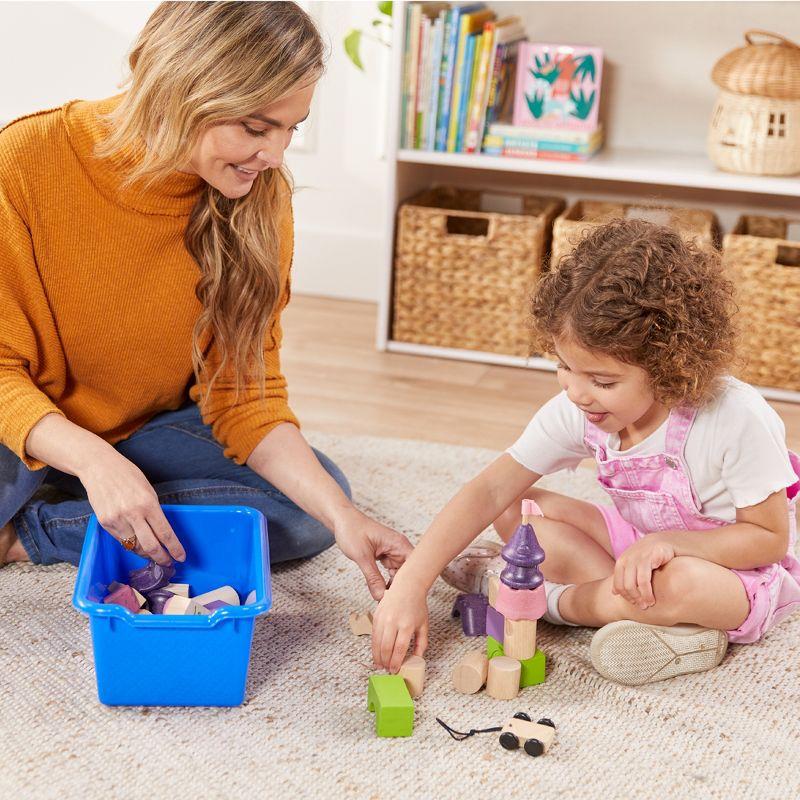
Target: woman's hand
{"x": 126, "y": 505}
{"x": 401, "y": 615}
{"x": 633, "y": 573}
{"x": 366, "y": 541}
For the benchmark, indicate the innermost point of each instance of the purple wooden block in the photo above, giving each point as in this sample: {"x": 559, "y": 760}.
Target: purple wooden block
{"x": 124, "y": 596}
{"x": 215, "y": 604}
{"x": 523, "y": 554}
{"x": 495, "y": 624}
{"x": 157, "y": 598}
{"x": 151, "y": 576}
{"x": 472, "y": 610}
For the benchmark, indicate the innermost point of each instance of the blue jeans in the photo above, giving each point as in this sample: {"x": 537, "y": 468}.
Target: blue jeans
{"x": 184, "y": 463}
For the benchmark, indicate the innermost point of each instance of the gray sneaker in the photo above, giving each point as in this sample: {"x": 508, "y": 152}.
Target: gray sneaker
{"x": 633, "y": 653}
{"x": 469, "y": 571}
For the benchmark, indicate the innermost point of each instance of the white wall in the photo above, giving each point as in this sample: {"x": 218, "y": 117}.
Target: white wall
{"x": 51, "y": 52}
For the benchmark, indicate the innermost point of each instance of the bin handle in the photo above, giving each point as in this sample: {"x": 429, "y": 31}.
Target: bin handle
{"x": 490, "y": 226}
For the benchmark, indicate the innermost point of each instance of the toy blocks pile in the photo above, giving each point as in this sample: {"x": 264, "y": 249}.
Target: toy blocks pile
{"x": 508, "y": 615}
{"x": 149, "y": 591}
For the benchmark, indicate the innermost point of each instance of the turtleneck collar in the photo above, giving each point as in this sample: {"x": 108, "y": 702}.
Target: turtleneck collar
{"x": 172, "y": 196}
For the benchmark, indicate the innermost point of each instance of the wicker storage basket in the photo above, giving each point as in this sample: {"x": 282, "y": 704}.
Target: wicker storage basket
{"x": 692, "y": 223}
{"x": 755, "y": 125}
{"x": 765, "y": 265}
{"x": 463, "y": 274}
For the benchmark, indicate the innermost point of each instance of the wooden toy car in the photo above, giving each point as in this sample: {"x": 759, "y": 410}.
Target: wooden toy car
{"x": 535, "y": 737}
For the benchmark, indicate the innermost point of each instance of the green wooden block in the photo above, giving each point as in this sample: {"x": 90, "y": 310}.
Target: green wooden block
{"x": 533, "y": 670}
{"x": 388, "y": 698}
{"x": 493, "y": 647}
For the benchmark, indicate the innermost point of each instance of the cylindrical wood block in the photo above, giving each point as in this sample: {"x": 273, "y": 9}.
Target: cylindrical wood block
{"x": 521, "y": 603}
{"x": 502, "y": 682}
{"x": 470, "y": 673}
{"x": 519, "y": 638}
{"x": 413, "y": 672}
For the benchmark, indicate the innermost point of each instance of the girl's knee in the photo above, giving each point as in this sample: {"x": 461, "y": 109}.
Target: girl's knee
{"x": 678, "y": 583}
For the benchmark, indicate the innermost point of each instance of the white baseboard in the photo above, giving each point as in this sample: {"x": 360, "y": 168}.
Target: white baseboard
{"x": 330, "y": 263}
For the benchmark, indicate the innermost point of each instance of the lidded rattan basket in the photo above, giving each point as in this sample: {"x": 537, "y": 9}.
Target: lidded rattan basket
{"x": 755, "y": 125}
{"x": 465, "y": 265}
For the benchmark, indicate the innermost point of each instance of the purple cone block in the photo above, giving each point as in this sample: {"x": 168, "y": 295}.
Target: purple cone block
{"x": 152, "y": 576}
{"x": 157, "y": 598}
{"x": 523, "y": 554}
{"x": 472, "y": 610}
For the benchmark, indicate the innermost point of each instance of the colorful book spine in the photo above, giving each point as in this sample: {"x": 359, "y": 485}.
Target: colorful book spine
{"x": 435, "y": 71}
{"x": 480, "y": 91}
{"x": 466, "y": 89}
{"x": 413, "y": 21}
{"x": 550, "y": 134}
{"x": 468, "y": 24}
{"x": 422, "y": 78}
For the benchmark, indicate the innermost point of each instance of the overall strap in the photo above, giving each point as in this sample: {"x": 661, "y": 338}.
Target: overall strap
{"x": 678, "y": 426}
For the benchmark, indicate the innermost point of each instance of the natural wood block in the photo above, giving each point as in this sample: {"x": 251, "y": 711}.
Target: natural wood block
{"x": 227, "y": 594}
{"x": 179, "y": 588}
{"x": 413, "y": 672}
{"x": 177, "y": 604}
{"x": 140, "y": 597}
{"x": 494, "y": 587}
{"x": 519, "y": 638}
{"x": 502, "y": 682}
{"x": 470, "y": 673}
{"x": 361, "y": 623}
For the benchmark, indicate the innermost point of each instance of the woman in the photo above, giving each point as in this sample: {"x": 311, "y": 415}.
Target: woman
{"x": 145, "y": 250}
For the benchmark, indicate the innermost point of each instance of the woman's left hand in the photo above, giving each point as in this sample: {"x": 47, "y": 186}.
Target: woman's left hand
{"x": 633, "y": 573}
{"x": 366, "y": 542}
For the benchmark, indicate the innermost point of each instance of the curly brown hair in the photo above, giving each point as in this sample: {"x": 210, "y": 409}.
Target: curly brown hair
{"x": 641, "y": 294}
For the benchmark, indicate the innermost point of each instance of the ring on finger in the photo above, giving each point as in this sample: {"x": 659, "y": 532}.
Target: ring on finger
{"x": 129, "y": 543}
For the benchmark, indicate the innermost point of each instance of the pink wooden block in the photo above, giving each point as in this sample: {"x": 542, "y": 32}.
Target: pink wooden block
{"x": 530, "y": 508}
{"x": 521, "y": 603}
{"x": 124, "y": 596}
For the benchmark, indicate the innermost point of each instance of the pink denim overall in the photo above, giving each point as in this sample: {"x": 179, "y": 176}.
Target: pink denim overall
{"x": 655, "y": 493}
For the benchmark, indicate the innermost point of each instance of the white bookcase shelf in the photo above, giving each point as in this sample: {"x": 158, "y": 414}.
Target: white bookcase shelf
{"x": 628, "y": 173}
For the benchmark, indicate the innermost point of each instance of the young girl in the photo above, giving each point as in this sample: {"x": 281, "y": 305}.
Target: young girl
{"x": 698, "y": 546}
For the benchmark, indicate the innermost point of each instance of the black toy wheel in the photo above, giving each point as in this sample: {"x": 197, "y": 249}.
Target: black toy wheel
{"x": 533, "y": 747}
{"x": 522, "y": 715}
{"x": 548, "y": 722}
{"x": 509, "y": 741}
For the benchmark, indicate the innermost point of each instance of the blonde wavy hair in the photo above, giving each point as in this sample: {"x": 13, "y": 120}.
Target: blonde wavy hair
{"x": 194, "y": 65}
{"x": 641, "y": 294}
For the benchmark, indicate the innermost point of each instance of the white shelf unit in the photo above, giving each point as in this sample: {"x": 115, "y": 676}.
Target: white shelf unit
{"x": 629, "y": 174}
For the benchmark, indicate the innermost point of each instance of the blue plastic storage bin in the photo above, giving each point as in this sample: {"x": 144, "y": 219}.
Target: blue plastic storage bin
{"x": 171, "y": 660}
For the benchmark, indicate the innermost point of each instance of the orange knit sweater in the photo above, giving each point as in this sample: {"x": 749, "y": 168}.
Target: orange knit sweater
{"x": 97, "y": 301}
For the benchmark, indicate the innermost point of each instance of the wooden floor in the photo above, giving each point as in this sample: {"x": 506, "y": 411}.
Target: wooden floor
{"x": 339, "y": 383}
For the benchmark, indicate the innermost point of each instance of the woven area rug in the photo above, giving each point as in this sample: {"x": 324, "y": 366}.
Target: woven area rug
{"x": 304, "y": 730}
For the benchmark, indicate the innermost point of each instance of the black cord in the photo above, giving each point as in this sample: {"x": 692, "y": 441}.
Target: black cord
{"x": 459, "y": 736}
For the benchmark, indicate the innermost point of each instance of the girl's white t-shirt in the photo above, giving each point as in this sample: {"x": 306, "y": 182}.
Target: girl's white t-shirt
{"x": 735, "y": 451}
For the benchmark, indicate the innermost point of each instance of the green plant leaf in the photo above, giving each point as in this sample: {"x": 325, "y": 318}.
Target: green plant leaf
{"x": 385, "y": 8}
{"x": 352, "y": 45}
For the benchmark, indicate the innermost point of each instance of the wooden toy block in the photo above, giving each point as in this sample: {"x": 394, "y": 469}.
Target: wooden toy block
{"x": 470, "y": 673}
{"x": 140, "y": 597}
{"x": 532, "y": 670}
{"x": 521, "y": 603}
{"x": 388, "y": 698}
{"x": 124, "y": 596}
{"x": 251, "y": 598}
{"x": 494, "y": 586}
{"x": 145, "y": 611}
{"x": 178, "y": 588}
{"x": 472, "y": 610}
{"x": 360, "y": 623}
{"x": 178, "y": 604}
{"x": 215, "y": 604}
{"x": 502, "y": 682}
{"x": 413, "y": 672}
{"x": 227, "y": 594}
{"x": 493, "y": 647}
{"x": 519, "y": 638}
{"x": 495, "y": 624}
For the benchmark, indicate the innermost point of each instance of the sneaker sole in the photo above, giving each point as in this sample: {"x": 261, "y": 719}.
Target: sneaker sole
{"x": 633, "y": 653}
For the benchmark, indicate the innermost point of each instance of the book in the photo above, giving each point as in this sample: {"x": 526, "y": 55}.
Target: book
{"x": 502, "y": 143}
{"x": 422, "y": 78}
{"x": 449, "y": 52}
{"x": 558, "y": 86}
{"x": 467, "y": 77}
{"x": 435, "y": 71}
{"x": 477, "y": 103}
{"x": 552, "y": 134}
{"x": 500, "y": 102}
{"x": 468, "y": 24}
{"x": 413, "y": 18}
